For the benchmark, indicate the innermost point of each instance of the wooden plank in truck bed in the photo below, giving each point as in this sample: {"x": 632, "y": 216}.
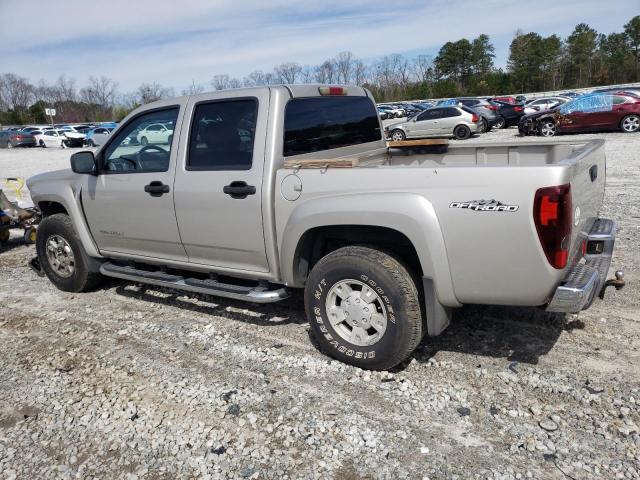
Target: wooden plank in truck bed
{"x": 320, "y": 163}
{"x": 423, "y": 142}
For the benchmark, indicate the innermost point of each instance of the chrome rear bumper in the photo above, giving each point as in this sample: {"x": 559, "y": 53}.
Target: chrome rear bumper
{"x": 586, "y": 279}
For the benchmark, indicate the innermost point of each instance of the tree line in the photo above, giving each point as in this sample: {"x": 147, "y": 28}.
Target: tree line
{"x": 585, "y": 58}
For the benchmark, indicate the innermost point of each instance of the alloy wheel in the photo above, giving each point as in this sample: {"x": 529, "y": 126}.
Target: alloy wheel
{"x": 356, "y": 312}
{"x": 60, "y": 256}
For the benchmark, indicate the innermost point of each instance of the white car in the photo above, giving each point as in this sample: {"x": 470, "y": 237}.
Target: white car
{"x": 155, "y": 133}
{"x": 51, "y": 138}
{"x": 395, "y": 111}
{"x": 545, "y": 103}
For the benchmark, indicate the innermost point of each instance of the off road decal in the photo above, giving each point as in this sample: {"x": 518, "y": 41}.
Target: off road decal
{"x": 485, "y": 206}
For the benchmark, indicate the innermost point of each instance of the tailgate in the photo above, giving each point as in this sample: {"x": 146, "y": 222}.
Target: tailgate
{"x": 588, "y": 177}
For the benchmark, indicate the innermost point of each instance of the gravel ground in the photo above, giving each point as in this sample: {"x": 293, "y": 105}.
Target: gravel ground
{"x": 133, "y": 382}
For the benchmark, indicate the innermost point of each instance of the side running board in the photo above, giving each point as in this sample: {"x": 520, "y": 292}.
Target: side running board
{"x": 256, "y": 294}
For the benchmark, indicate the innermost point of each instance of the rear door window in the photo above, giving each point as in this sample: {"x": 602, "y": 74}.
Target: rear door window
{"x": 451, "y": 112}
{"x": 222, "y": 135}
{"x": 321, "y": 123}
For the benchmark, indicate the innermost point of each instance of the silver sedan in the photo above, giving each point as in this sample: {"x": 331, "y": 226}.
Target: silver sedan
{"x": 452, "y": 121}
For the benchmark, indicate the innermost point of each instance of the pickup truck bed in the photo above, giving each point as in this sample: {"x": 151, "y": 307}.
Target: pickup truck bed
{"x": 484, "y": 251}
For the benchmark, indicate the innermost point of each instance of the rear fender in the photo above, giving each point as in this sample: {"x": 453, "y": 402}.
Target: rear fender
{"x": 409, "y": 214}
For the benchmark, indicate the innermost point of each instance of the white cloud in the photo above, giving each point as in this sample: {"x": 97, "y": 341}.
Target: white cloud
{"x": 174, "y": 43}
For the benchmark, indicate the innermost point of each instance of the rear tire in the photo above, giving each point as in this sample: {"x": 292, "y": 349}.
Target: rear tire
{"x": 62, "y": 256}
{"x": 9, "y": 145}
{"x": 42, "y": 144}
{"x": 398, "y": 135}
{"x": 500, "y": 123}
{"x": 630, "y": 124}
{"x": 364, "y": 308}
{"x": 462, "y": 132}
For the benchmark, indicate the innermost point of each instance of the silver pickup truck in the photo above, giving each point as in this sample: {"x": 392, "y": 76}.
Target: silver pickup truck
{"x": 217, "y": 194}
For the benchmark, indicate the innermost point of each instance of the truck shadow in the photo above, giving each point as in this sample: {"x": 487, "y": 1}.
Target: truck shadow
{"x": 288, "y": 312}
{"x": 518, "y": 334}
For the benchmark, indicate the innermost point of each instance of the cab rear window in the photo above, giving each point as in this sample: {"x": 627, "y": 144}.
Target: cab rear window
{"x": 321, "y": 123}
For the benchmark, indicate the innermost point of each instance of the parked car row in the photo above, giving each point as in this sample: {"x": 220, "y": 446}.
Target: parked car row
{"x": 462, "y": 117}
{"x": 61, "y": 135}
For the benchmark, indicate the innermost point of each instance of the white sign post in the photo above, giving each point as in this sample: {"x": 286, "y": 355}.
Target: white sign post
{"x": 51, "y": 112}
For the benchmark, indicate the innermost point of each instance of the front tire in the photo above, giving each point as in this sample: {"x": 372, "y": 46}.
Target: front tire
{"x": 42, "y": 144}
{"x": 630, "y": 124}
{"x": 462, "y": 132}
{"x": 547, "y": 128}
{"x": 62, "y": 256}
{"x": 144, "y": 141}
{"x": 398, "y": 135}
{"x": 364, "y": 308}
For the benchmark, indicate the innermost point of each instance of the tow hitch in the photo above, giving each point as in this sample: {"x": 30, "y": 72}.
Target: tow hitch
{"x": 617, "y": 282}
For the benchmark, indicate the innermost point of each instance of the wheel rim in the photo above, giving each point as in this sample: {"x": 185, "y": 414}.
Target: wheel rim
{"x": 631, "y": 124}
{"x": 9, "y": 145}
{"x": 461, "y": 132}
{"x": 356, "y": 312}
{"x": 500, "y": 123}
{"x": 60, "y": 256}
{"x": 548, "y": 129}
{"x": 397, "y": 136}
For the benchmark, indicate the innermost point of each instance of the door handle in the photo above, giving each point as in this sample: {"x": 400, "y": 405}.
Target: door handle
{"x": 239, "y": 189}
{"x": 156, "y": 188}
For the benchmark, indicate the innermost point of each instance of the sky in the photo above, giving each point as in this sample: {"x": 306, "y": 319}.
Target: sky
{"x": 177, "y": 42}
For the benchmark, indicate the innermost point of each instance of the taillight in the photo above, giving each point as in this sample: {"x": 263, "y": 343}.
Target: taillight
{"x": 552, "y": 216}
{"x": 474, "y": 118}
{"x": 517, "y": 109}
{"x": 492, "y": 107}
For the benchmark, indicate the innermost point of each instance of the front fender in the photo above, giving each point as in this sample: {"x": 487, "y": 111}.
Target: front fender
{"x": 409, "y": 214}
{"x": 60, "y": 187}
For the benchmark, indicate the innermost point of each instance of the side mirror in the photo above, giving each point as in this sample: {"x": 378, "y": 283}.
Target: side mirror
{"x": 84, "y": 163}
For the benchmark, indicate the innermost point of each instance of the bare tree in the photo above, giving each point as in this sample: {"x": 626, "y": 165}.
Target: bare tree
{"x": 193, "y": 89}
{"x": 150, "y": 92}
{"x": 325, "y": 72}
{"x": 100, "y": 91}
{"x": 423, "y": 68}
{"x": 344, "y": 63}
{"x": 287, "y": 72}
{"x": 65, "y": 89}
{"x": 220, "y": 82}
{"x": 359, "y": 73}
{"x": 15, "y": 92}
{"x": 254, "y": 79}
{"x": 307, "y": 74}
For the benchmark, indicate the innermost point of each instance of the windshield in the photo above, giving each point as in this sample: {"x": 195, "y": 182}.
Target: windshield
{"x": 588, "y": 104}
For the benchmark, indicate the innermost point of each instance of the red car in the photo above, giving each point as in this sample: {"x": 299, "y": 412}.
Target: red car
{"x": 586, "y": 113}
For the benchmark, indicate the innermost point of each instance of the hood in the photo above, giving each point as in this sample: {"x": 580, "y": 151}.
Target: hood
{"x": 56, "y": 176}
{"x": 541, "y": 113}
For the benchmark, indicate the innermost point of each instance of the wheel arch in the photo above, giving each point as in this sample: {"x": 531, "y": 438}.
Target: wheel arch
{"x": 60, "y": 198}
{"x": 403, "y": 223}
